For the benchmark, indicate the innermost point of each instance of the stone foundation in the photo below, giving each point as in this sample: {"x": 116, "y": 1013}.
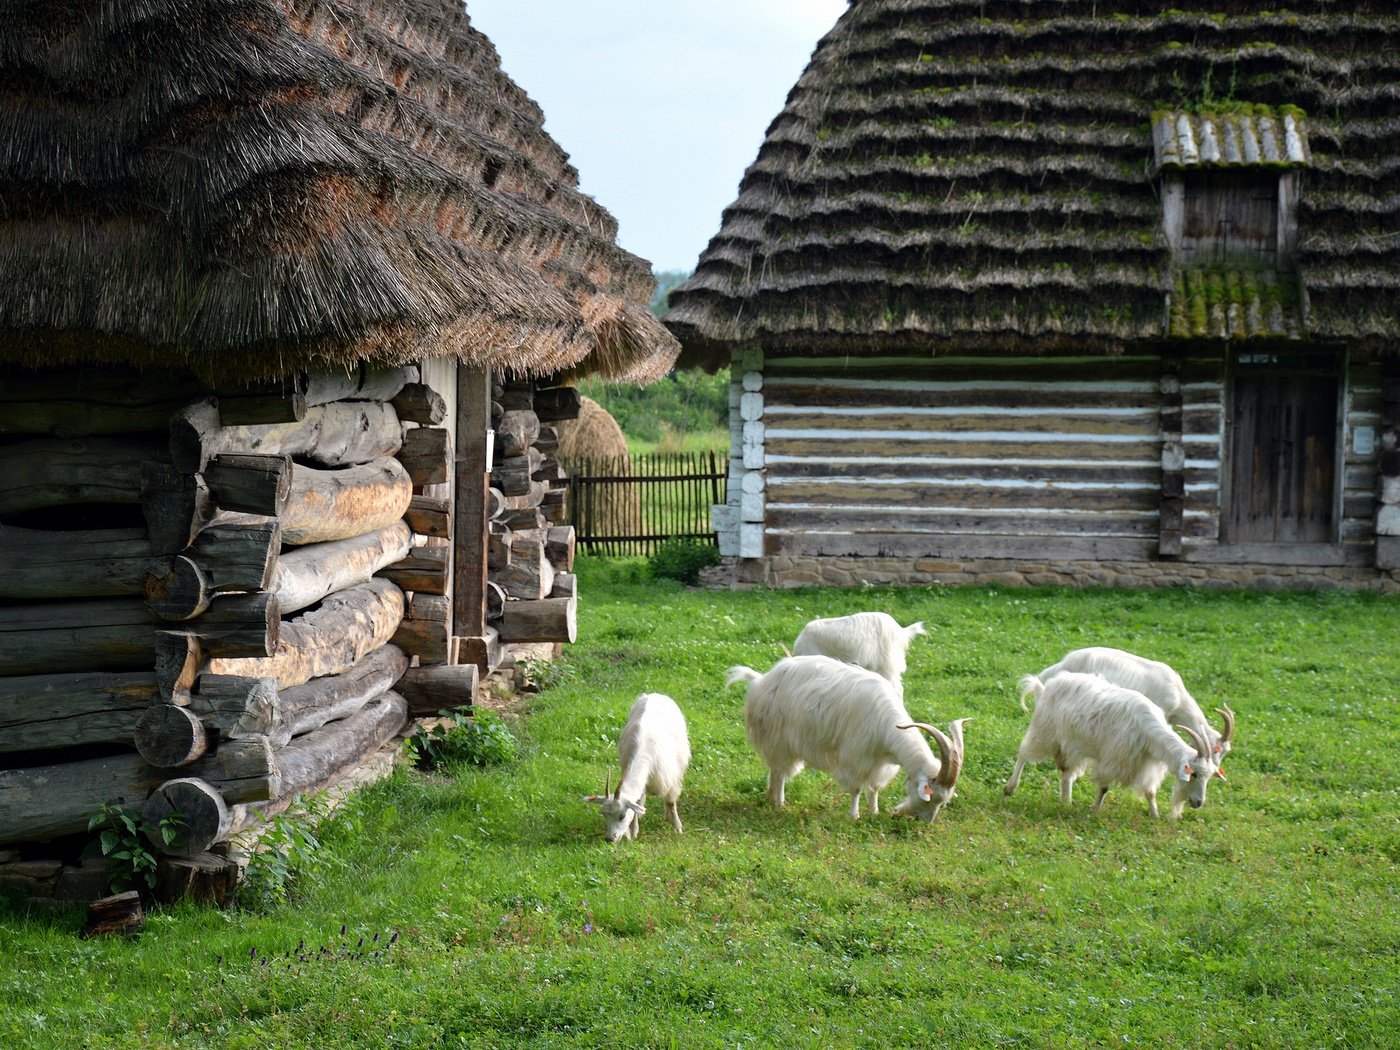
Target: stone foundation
{"x": 786, "y": 572}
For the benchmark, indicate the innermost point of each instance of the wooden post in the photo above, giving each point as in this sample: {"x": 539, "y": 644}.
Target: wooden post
{"x": 469, "y": 511}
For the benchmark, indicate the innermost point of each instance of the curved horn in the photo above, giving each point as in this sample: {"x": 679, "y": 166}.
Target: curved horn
{"x": 1202, "y": 748}
{"x": 1229, "y": 717}
{"x": 607, "y": 791}
{"x": 950, "y": 754}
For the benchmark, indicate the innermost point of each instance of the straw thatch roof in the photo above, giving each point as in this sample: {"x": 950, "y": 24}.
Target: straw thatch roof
{"x": 247, "y": 187}
{"x": 984, "y": 174}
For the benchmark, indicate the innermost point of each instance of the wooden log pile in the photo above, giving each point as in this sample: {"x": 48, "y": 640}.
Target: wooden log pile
{"x": 211, "y": 620}
{"x": 530, "y": 594}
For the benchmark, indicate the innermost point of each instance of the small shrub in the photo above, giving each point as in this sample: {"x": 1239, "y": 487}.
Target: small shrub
{"x": 122, "y": 840}
{"x": 288, "y": 853}
{"x": 535, "y": 675}
{"x": 682, "y": 560}
{"x": 483, "y": 740}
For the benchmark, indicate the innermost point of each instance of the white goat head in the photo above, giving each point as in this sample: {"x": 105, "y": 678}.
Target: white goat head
{"x": 1193, "y": 775}
{"x": 927, "y": 795}
{"x": 620, "y": 814}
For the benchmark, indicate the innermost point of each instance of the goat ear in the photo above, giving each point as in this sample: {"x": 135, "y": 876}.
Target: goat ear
{"x": 1186, "y": 772}
{"x": 925, "y": 790}
{"x": 594, "y": 798}
{"x": 1220, "y": 773}
{"x": 637, "y": 808}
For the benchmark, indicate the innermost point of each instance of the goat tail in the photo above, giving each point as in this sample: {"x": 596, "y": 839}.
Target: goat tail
{"x": 915, "y": 629}
{"x": 741, "y": 674}
{"x": 1030, "y": 685}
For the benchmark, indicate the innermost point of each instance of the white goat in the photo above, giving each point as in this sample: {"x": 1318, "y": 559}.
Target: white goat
{"x": 873, "y": 640}
{"x": 1154, "y": 680}
{"x": 1081, "y": 718}
{"x": 654, "y": 750}
{"x": 850, "y": 723}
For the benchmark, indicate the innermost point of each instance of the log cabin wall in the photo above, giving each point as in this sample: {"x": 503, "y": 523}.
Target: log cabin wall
{"x": 1044, "y": 470}
{"x": 201, "y": 616}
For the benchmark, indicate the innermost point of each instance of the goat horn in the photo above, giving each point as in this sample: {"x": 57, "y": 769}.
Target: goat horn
{"x": 1201, "y": 748}
{"x": 607, "y": 790}
{"x": 949, "y": 753}
{"x": 1229, "y": 717}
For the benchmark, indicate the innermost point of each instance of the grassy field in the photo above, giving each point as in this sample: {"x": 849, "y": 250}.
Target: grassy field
{"x": 1267, "y": 919}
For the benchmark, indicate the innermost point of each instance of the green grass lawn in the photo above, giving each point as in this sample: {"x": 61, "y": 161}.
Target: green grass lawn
{"x": 1270, "y": 918}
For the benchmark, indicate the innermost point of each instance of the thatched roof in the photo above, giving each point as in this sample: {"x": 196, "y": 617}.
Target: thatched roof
{"x": 252, "y": 186}
{"x": 984, "y": 174}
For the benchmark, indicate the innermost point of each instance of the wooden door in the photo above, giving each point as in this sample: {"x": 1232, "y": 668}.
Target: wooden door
{"x": 1283, "y": 451}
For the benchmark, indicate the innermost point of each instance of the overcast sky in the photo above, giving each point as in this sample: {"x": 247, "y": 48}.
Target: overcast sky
{"x": 661, "y": 104}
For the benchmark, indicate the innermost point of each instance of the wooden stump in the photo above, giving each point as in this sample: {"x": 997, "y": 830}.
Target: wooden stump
{"x": 120, "y": 914}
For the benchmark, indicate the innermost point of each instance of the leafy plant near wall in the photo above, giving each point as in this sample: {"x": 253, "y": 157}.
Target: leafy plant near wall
{"x": 482, "y": 739}
{"x": 290, "y": 854}
{"x": 122, "y": 840}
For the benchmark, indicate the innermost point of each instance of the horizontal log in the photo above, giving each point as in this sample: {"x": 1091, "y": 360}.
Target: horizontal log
{"x": 312, "y": 704}
{"x": 84, "y": 400}
{"x": 954, "y": 547}
{"x": 237, "y": 707}
{"x": 430, "y": 516}
{"x": 338, "y": 504}
{"x": 554, "y": 506}
{"x": 329, "y": 639}
{"x": 239, "y": 625}
{"x": 55, "y": 472}
{"x": 330, "y": 435}
{"x": 515, "y": 432}
{"x": 43, "y": 802}
{"x": 203, "y": 815}
{"x": 425, "y": 570}
{"x": 548, "y": 440}
{"x": 176, "y": 507}
{"x": 312, "y": 761}
{"x": 432, "y": 690}
{"x": 308, "y": 574}
{"x": 426, "y": 630}
{"x": 498, "y": 504}
{"x": 512, "y": 475}
{"x": 41, "y": 712}
{"x": 555, "y": 403}
{"x": 426, "y": 454}
{"x": 529, "y": 574}
{"x": 560, "y": 546}
{"x": 551, "y": 473}
{"x": 565, "y": 586}
{"x": 546, "y": 620}
{"x": 105, "y": 634}
{"x": 482, "y": 652}
{"x": 224, "y": 558}
{"x": 525, "y": 518}
{"x": 101, "y": 563}
{"x": 249, "y": 483}
{"x": 495, "y": 599}
{"x": 514, "y": 397}
{"x": 419, "y": 403}
{"x": 362, "y": 384}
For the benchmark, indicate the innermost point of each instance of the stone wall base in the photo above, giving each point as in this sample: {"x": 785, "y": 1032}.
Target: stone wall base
{"x": 785, "y": 572}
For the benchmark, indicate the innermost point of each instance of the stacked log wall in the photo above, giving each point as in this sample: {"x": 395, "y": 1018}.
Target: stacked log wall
{"x": 531, "y": 597}
{"x": 240, "y": 648}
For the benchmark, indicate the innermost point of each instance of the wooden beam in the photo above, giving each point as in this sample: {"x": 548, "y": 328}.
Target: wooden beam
{"x": 419, "y": 403}
{"x": 49, "y": 472}
{"x": 305, "y": 707}
{"x": 546, "y": 620}
{"x": 330, "y": 435}
{"x": 309, "y": 762}
{"x": 338, "y": 504}
{"x": 426, "y": 630}
{"x": 328, "y": 640}
{"x": 469, "y": 510}
{"x": 424, "y": 569}
{"x": 307, "y": 574}
{"x": 446, "y": 687}
{"x": 101, "y": 563}
{"x": 426, "y": 454}
{"x": 41, "y": 712}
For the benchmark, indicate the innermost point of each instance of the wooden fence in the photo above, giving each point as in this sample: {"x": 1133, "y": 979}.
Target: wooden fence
{"x": 621, "y": 508}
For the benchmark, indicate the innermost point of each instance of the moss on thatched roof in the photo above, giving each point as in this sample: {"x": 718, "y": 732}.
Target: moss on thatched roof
{"x": 985, "y": 173}
{"x": 247, "y": 187}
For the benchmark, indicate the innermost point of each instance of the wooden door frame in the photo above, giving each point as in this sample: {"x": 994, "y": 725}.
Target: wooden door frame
{"x": 1340, "y": 374}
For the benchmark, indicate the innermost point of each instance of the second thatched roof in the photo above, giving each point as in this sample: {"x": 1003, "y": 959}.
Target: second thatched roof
{"x": 247, "y": 187}
{"x": 982, "y": 174}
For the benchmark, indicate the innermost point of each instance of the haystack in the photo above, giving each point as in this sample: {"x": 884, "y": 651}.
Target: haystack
{"x": 593, "y": 445}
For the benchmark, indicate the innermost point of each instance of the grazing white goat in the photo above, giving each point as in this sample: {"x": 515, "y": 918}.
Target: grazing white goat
{"x": 873, "y": 640}
{"x": 1082, "y": 718}
{"x": 654, "y": 750}
{"x": 848, "y": 722}
{"x": 1154, "y": 680}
